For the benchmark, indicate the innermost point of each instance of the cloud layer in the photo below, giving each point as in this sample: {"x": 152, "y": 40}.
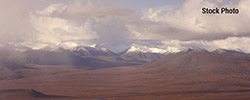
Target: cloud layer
{"x": 188, "y": 23}
{"x": 84, "y": 23}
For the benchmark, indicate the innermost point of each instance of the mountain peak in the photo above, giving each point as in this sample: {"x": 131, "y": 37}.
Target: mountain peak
{"x": 220, "y": 51}
{"x": 94, "y": 51}
{"x": 188, "y": 50}
{"x": 225, "y": 51}
{"x": 200, "y": 50}
{"x": 145, "y": 49}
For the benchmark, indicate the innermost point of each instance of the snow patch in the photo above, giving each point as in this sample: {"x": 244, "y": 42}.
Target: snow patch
{"x": 145, "y": 49}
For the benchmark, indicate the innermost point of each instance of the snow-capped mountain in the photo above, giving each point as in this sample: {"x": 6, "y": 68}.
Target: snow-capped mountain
{"x": 115, "y": 49}
{"x": 142, "y": 53}
{"x": 93, "y": 51}
{"x": 227, "y": 52}
{"x": 88, "y": 50}
{"x": 81, "y": 56}
{"x": 96, "y": 57}
{"x": 147, "y": 49}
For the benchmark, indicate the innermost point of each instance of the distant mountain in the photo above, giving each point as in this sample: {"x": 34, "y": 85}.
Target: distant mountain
{"x": 96, "y": 57}
{"x": 86, "y": 56}
{"x": 227, "y": 52}
{"x": 199, "y": 61}
{"x": 10, "y": 61}
{"x": 81, "y": 50}
{"x": 145, "y": 49}
{"x": 142, "y": 54}
{"x": 72, "y": 57}
{"x": 91, "y": 51}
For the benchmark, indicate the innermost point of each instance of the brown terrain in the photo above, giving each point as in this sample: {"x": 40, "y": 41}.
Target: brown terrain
{"x": 187, "y": 75}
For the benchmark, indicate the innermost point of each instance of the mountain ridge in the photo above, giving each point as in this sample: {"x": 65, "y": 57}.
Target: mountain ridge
{"x": 92, "y": 57}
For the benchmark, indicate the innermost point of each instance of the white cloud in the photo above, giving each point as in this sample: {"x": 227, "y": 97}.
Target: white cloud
{"x": 54, "y": 30}
{"x": 79, "y": 22}
{"x": 188, "y": 23}
{"x": 85, "y": 23}
{"x": 53, "y": 8}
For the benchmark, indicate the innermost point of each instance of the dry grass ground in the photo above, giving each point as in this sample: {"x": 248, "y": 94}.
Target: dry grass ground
{"x": 126, "y": 83}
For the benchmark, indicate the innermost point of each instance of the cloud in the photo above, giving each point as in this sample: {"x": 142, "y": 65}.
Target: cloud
{"x": 79, "y": 22}
{"x": 188, "y": 23}
{"x": 231, "y": 43}
{"x": 54, "y": 30}
{"x": 14, "y": 20}
{"x": 82, "y": 22}
{"x": 82, "y": 10}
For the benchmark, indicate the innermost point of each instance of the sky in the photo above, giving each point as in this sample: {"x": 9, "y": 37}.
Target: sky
{"x": 118, "y": 24}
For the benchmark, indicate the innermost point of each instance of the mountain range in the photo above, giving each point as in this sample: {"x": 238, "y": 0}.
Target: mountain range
{"x": 200, "y": 61}
{"x": 94, "y": 73}
{"x": 96, "y": 58}
{"x": 80, "y": 56}
{"x": 93, "y": 57}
